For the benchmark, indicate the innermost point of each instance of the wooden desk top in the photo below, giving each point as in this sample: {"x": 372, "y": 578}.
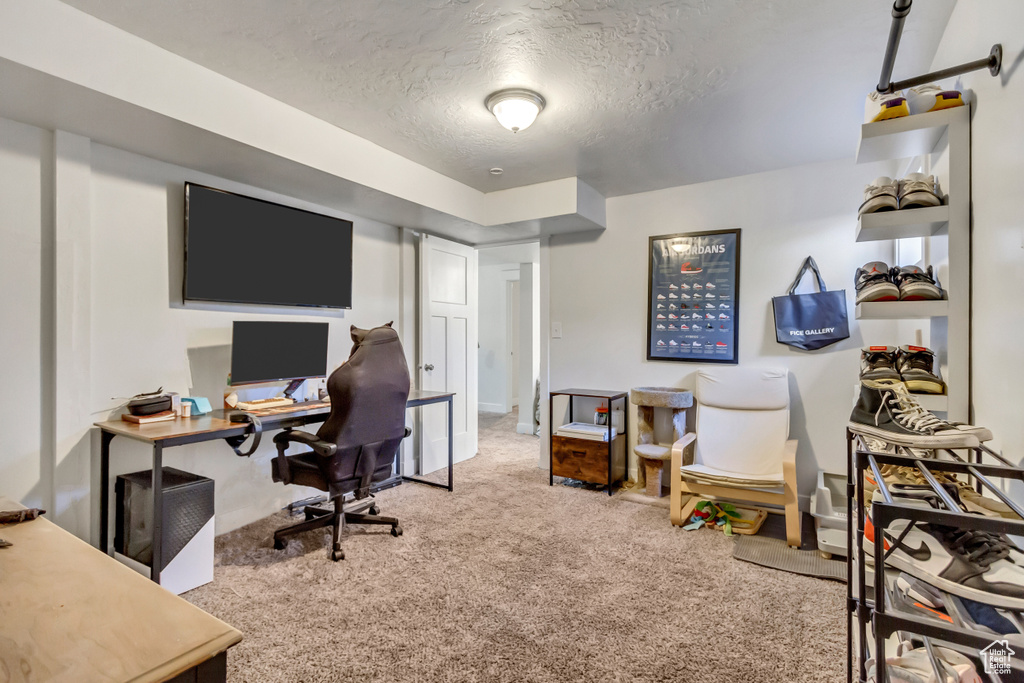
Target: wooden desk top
{"x": 71, "y": 613}
{"x": 216, "y": 425}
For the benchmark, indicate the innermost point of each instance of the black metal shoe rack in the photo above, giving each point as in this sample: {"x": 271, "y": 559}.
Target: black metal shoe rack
{"x": 872, "y": 604}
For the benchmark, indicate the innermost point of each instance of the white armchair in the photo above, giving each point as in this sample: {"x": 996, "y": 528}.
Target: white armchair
{"x": 741, "y": 448}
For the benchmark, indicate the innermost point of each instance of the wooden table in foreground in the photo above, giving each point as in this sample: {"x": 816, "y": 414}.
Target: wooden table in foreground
{"x": 68, "y": 612}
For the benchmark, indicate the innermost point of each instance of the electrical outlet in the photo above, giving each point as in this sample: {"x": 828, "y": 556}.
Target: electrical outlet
{"x": 556, "y": 330}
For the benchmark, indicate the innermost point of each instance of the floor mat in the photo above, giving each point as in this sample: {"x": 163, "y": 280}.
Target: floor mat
{"x": 773, "y": 553}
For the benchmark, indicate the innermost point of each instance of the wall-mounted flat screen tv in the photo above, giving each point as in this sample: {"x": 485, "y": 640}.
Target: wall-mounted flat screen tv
{"x": 240, "y": 249}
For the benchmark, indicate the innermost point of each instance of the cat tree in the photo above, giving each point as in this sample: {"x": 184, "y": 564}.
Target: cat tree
{"x": 652, "y": 456}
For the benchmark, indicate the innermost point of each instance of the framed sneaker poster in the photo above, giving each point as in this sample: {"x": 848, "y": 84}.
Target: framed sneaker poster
{"x": 693, "y": 302}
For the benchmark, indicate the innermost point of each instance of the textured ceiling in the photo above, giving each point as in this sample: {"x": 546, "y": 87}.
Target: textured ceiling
{"x": 642, "y": 94}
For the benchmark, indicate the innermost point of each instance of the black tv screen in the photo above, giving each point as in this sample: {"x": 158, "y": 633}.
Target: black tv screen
{"x": 263, "y": 351}
{"x": 244, "y": 250}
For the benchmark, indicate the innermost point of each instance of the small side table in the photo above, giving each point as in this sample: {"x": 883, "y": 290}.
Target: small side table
{"x": 586, "y": 459}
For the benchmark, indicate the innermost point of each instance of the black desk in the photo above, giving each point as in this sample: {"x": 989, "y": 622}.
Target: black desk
{"x": 216, "y": 425}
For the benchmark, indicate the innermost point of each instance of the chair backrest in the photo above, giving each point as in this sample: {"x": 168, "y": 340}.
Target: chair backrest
{"x": 742, "y": 419}
{"x": 368, "y": 393}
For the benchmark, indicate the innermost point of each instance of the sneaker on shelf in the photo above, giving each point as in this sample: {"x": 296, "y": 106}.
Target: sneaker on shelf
{"x": 884, "y": 106}
{"x": 926, "y": 98}
{"x": 879, "y": 362}
{"x": 913, "y": 665}
{"x": 915, "y": 284}
{"x": 904, "y": 601}
{"x": 916, "y": 367}
{"x": 918, "y": 190}
{"x": 881, "y": 195}
{"x": 965, "y": 562}
{"x": 918, "y": 590}
{"x": 885, "y": 410}
{"x": 874, "y": 283}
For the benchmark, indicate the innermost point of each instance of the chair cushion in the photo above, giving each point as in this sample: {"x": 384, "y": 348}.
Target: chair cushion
{"x": 741, "y": 388}
{"x": 747, "y": 443}
{"x": 711, "y": 475}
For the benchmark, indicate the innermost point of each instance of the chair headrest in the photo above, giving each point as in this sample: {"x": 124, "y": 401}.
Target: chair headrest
{"x": 741, "y": 388}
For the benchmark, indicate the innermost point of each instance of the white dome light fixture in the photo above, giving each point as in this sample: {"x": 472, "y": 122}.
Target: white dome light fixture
{"x": 515, "y": 108}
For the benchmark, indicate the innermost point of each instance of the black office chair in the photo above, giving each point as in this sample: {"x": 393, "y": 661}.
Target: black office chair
{"x": 357, "y": 444}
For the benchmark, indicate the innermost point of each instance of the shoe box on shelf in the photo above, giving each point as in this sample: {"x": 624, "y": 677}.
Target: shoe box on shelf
{"x": 921, "y": 205}
{"x": 950, "y": 584}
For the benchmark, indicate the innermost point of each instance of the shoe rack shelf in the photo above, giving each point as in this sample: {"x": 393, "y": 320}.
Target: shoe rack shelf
{"x": 872, "y": 616}
{"x": 944, "y": 137}
{"x": 902, "y": 310}
{"x": 897, "y": 225}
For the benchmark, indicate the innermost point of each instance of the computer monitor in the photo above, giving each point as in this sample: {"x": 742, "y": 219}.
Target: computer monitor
{"x": 277, "y": 351}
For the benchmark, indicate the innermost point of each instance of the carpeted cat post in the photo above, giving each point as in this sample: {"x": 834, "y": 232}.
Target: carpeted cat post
{"x": 652, "y": 456}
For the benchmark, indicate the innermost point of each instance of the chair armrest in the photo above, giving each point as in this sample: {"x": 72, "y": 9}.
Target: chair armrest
{"x": 677, "y": 450}
{"x": 789, "y": 463}
{"x": 322, "y": 448}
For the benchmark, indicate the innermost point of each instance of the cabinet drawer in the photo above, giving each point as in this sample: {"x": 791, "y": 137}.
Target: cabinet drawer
{"x": 581, "y": 459}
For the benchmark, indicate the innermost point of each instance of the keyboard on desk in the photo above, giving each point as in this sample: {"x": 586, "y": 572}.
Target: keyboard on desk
{"x": 261, "y": 403}
{"x": 288, "y": 408}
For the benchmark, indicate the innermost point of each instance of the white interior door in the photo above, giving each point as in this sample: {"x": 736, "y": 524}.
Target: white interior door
{"x": 448, "y": 348}
{"x": 512, "y": 344}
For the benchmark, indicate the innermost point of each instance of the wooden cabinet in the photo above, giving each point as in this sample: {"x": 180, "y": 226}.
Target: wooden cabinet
{"x": 595, "y": 462}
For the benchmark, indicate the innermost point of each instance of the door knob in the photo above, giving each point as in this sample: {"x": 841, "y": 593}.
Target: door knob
{"x": 428, "y": 367}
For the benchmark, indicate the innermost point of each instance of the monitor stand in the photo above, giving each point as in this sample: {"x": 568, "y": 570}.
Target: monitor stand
{"x": 292, "y": 387}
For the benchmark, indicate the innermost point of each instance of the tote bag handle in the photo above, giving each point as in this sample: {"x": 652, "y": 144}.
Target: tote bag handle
{"x": 808, "y": 263}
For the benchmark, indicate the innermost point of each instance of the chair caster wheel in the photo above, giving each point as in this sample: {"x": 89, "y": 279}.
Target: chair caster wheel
{"x": 396, "y": 531}
{"x": 374, "y": 510}
{"x": 280, "y": 544}
{"x": 338, "y": 554}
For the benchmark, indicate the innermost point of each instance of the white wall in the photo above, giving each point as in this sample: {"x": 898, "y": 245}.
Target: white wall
{"x": 598, "y": 287}
{"x": 26, "y": 160}
{"x": 494, "y": 351}
{"x": 997, "y": 168}
{"x": 125, "y": 315}
{"x": 529, "y": 343}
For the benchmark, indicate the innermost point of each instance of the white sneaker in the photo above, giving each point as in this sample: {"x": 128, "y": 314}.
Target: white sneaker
{"x": 926, "y": 98}
{"x": 673, "y": 342}
{"x": 709, "y": 296}
{"x": 659, "y": 326}
{"x": 672, "y": 296}
{"x": 684, "y": 286}
{"x": 881, "y": 195}
{"x": 672, "y": 287}
{"x": 661, "y": 297}
{"x": 918, "y": 190}
{"x": 709, "y": 286}
{"x": 881, "y": 107}
{"x": 661, "y": 307}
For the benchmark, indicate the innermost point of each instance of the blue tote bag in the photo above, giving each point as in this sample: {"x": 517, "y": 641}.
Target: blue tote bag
{"x": 811, "y": 321}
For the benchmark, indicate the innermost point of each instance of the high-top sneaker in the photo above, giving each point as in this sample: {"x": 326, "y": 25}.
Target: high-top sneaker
{"x": 878, "y": 362}
{"x": 971, "y": 564}
{"x": 917, "y": 285}
{"x": 874, "y": 283}
{"x": 918, "y": 190}
{"x": 926, "y": 98}
{"x": 887, "y": 411}
{"x": 916, "y": 366}
{"x": 880, "y": 195}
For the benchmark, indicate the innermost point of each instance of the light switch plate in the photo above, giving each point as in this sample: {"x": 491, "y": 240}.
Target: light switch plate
{"x": 556, "y": 330}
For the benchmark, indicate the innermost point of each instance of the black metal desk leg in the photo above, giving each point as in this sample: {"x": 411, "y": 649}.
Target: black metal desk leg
{"x": 105, "y": 439}
{"x": 158, "y": 510}
{"x": 451, "y": 444}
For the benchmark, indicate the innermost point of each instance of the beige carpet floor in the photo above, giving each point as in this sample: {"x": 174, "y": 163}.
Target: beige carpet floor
{"x": 508, "y": 579}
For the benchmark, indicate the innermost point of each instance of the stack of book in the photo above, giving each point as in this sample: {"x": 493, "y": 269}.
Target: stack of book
{"x": 585, "y": 430}
{"x": 148, "y": 419}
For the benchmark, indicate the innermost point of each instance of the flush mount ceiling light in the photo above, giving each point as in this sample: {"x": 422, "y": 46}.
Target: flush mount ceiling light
{"x": 515, "y": 108}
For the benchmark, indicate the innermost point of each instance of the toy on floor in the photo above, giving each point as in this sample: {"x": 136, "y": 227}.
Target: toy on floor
{"x": 726, "y": 517}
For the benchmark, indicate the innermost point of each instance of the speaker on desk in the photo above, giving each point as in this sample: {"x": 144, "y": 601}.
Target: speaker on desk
{"x": 188, "y": 527}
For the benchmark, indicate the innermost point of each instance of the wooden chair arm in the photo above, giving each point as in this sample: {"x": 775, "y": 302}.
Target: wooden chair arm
{"x": 677, "y": 450}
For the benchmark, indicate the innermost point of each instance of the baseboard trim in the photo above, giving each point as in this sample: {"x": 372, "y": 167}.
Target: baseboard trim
{"x": 491, "y": 408}
{"x": 524, "y": 428}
